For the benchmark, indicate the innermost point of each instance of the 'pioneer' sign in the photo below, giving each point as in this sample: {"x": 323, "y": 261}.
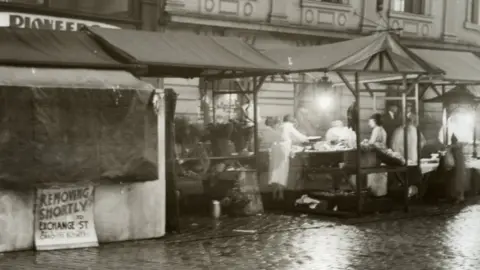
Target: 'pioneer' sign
{"x": 30, "y": 21}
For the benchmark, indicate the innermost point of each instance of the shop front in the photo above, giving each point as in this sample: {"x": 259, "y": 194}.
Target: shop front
{"x": 96, "y": 175}
{"x": 80, "y": 138}
{"x": 71, "y": 15}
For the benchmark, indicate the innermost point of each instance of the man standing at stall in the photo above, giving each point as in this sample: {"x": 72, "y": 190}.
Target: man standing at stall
{"x": 280, "y": 155}
{"x": 391, "y": 122}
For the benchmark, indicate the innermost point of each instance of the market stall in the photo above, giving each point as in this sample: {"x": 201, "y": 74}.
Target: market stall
{"x": 218, "y": 156}
{"x": 459, "y": 121}
{"x": 73, "y": 124}
{"x": 455, "y": 87}
{"x": 379, "y": 54}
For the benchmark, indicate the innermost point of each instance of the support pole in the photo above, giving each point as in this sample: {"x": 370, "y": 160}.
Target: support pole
{"x": 255, "y": 118}
{"x": 405, "y": 139}
{"x": 358, "y": 171}
{"x": 159, "y": 107}
{"x": 257, "y": 84}
{"x": 214, "y": 105}
{"x": 445, "y": 120}
{"x": 417, "y": 123}
{"x": 475, "y": 154}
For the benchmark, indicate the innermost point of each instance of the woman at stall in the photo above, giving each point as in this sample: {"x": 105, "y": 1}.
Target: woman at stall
{"x": 280, "y": 156}
{"x": 379, "y": 135}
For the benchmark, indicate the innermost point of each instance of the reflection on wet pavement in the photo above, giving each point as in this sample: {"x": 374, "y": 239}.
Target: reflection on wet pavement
{"x": 424, "y": 241}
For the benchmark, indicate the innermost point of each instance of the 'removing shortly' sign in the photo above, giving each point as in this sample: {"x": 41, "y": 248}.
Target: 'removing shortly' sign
{"x": 31, "y": 21}
{"x": 64, "y": 218}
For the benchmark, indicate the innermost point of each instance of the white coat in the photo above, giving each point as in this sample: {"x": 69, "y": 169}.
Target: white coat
{"x": 280, "y": 153}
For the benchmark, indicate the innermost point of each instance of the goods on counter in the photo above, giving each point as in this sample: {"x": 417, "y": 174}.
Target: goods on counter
{"x": 324, "y": 146}
{"x": 389, "y": 157}
{"x": 219, "y": 136}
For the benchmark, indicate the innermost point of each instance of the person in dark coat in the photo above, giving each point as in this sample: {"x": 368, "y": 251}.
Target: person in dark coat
{"x": 391, "y": 122}
{"x": 352, "y": 116}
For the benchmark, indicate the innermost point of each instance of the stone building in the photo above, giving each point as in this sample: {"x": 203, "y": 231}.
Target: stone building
{"x": 429, "y": 24}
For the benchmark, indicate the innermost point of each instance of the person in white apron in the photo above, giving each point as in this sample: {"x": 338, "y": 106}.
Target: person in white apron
{"x": 280, "y": 156}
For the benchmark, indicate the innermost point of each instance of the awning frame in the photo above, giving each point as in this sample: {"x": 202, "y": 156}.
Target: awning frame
{"x": 211, "y": 72}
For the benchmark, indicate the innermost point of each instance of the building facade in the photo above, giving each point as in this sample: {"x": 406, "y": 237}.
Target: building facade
{"x": 69, "y": 15}
{"x": 430, "y": 24}
{"x": 433, "y": 24}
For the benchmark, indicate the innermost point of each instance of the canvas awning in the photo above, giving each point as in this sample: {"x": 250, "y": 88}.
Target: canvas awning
{"x": 184, "y": 54}
{"x": 380, "y": 53}
{"x": 460, "y": 94}
{"x": 459, "y": 67}
{"x": 71, "y": 78}
{"x": 55, "y": 49}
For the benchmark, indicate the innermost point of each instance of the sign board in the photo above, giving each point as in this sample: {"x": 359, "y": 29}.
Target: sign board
{"x": 64, "y": 218}
{"x": 32, "y": 21}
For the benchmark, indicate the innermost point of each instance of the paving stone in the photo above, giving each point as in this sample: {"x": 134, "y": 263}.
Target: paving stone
{"x": 426, "y": 238}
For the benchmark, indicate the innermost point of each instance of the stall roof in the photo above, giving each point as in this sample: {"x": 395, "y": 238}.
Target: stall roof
{"x": 168, "y": 54}
{"x": 56, "y": 49}
{"x": 71, "y": 78}
{"x": 378, "y": 53}
{"x": 459, "y": 67}
{"x": 460, "y": 94}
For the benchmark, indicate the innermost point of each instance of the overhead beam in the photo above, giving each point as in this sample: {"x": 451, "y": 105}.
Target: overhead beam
{"x": 367, "y": 87}
{"x": 435, "y": 89}
{"x": 370, "y": 62}
{"x": 389, "y": 57}
{"x": 381, "y": 65}
{"x": 348, "y": 84}
{"x": 411, "y": 87}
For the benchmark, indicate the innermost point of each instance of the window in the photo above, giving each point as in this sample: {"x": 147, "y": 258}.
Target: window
{"x": 474, "y": 12}
{"x": 409, "y": 6}
{"x": 110, "y": 8}
{"x": 28, "y": 2}
{"x": 336, "y": 1}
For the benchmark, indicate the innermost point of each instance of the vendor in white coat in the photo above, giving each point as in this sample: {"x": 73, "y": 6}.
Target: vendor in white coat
{"x": 280, "y": 155}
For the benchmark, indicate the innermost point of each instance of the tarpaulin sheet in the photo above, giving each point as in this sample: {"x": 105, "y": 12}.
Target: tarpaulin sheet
{"x": 184, "y": 50}
{"x": 61, "y": 49}
{"x": 458, "y": 66}
{"x": 70, "y": 135}
{"x": 353, "y": 55}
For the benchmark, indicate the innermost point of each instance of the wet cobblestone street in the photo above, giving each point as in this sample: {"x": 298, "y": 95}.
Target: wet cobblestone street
{"x": 427, "y": 238}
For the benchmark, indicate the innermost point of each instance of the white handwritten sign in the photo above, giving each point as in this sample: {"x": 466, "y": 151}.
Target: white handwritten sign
{"x": 64, "y": 218}
{"x": 31, "y": 21}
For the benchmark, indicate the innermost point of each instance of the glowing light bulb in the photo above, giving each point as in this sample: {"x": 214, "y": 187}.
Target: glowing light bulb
{"x": 324, "y": 101}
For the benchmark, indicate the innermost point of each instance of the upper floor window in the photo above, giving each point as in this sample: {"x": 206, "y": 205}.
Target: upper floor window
{"x": 107, "y": 8}
{"x": 409, "y": 6}
{"x": 336, "y": 1}
{"x": 475, "y": 12}
{"x": 110, "y": 8}
{"x": 28, "y": 2}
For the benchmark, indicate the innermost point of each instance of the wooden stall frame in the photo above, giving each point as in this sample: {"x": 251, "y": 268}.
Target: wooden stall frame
{"x": 356, "y": 90}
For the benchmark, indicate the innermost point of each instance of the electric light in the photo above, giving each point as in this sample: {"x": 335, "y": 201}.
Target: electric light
{"x": 462, "y": 124}
{"x": 324, "y": 101}
{"x": 324, "y": 96}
